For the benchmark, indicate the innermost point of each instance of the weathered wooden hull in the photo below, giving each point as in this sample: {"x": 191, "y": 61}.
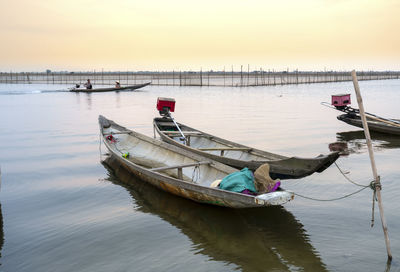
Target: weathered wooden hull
{"x": 147, "y": 154}
{"x": 373, "y": 125}
{"x": 243, "y": 156}
{"x": 98, "y": 90}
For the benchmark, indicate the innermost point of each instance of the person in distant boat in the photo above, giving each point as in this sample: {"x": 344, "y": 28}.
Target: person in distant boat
{"x": 117, "y": 85}
{"x": 88, "y": 85}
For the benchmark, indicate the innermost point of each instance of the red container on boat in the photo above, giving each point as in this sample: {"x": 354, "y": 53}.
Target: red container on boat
{"x": 165, "y": 103}
{"x": 341, "y": 100}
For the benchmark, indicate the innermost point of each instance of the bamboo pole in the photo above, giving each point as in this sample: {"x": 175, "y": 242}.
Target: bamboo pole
{"x": 372, "y": 159}
{"x": 382, "y": 120}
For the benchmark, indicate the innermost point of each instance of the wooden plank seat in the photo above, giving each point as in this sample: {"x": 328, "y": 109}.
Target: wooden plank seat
{"x": 166, "y": 124}
{"x": 226, "y": 149}
{"x": 179, "y": 167}
{"x": 223, "y": 149}
{"x": 177, "y": 133}
{"x": 121, "y": 132}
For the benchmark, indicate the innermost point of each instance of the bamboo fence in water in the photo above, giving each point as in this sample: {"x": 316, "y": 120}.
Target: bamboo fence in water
{"x": 189, "y": 78}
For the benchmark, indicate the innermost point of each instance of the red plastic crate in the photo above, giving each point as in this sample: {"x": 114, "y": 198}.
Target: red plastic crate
{"x": 163, "y": 102}
{"x": 341, "y": 100}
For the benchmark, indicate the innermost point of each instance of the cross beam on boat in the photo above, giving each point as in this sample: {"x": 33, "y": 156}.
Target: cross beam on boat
{"x": 121, "y": 132}
{"x": 177, "y": 133}
{"x": 223, "y": 149}
{"x": 179, "y": 167}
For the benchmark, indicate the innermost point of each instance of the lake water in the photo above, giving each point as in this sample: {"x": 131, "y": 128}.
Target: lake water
{"x": 64, "y": 210}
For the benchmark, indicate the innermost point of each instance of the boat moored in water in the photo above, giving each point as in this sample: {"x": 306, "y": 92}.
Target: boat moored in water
{"x": 341, "y": 102}
{"x": 374, "y": 124}
{"x": 238, "y": 155}
{"x": 178, "y": 171}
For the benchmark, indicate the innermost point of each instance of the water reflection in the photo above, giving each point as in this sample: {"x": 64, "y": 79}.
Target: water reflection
{"x": 356, "y": 142}
{"x": 117, "y": 99}
{"x": 253, "y": 239}
{"x": 1, "y": 233}
{"x": 89, "y": 100}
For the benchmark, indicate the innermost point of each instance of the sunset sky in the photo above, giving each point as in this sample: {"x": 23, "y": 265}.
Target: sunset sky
{"x": 136, "y": 35}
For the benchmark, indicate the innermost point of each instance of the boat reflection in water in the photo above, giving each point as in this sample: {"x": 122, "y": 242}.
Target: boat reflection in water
{"x": 356, "y": 142}
{"x": 262, "y": 239}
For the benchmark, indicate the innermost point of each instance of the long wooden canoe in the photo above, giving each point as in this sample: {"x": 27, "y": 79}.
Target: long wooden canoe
{"x": 238, "y": 155}
{"x": 127, "y": 88}
{"x": 374, "y": 124}
{"x": 178, "y": 171}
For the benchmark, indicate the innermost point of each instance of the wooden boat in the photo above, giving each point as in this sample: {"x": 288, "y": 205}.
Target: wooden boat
{"x": 388, "y": 126}
{"x": 240, "y": 156}
{"x": 130, "y": 88}
{"x": 178, "y": 171}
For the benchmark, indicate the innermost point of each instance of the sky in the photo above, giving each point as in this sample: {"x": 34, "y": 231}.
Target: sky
{"x": 160, "y": 35}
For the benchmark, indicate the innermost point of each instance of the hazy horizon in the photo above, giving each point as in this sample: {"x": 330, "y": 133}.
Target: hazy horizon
{"x": 87, "y": 35}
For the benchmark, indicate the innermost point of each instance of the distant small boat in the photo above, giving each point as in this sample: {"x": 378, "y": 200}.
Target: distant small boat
{"x": 238, "y": 155}
{"x": 377, "y": 124}
{"x": 178, "y": 171}
{"x": 113, "y": 89}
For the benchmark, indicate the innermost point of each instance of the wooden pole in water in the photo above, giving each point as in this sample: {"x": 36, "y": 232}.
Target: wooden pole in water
{"x": 232, "y": 75}
{"x": 372, "y": 159}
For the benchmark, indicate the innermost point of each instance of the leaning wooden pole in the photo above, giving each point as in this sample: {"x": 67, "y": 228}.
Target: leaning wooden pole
{"x": 372, "y": 159}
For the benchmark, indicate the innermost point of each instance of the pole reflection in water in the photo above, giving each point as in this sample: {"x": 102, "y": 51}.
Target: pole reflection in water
{"x": 261, "y": 239}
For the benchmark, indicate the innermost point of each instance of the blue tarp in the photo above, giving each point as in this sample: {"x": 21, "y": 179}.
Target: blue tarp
{"x": 239, "y": 181}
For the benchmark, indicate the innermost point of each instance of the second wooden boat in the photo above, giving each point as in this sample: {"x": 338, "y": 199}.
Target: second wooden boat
{"x": 238, "y": 155}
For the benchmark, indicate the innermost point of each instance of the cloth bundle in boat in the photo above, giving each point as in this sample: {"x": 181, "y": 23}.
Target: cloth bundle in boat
{"x": 262, "y": 180}
{"x": 239, "y": 181}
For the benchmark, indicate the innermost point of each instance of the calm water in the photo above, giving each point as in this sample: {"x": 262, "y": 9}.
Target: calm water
{"x": 64, "y": 210}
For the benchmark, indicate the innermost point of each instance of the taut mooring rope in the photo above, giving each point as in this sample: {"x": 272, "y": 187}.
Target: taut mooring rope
{"x": 332, "y": 199}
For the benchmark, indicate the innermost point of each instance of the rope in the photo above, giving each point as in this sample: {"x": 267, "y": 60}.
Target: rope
{"x": 115, "y": 145}
{"x": 332, "y": 199}
{"x": 347, "y": 178}
{"x": 196, "y": 173}
{"x": 100, "y": 147}
{"x": 374, "y": 185}
{"x": 373, "y": 209}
